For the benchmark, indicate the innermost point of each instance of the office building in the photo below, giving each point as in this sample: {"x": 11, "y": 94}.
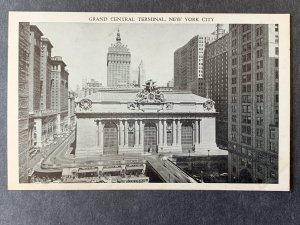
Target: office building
{"x": 118, "y": 64}
{"x": 253, "y": 103}
{"x": 34, "y": 68}
{"x": 188, "y": 65}
{"x": 216, "y": 79}
{"x": 24, "y": 52}
{"x": 59, "y": 92}
{"x": 45, "y": 74}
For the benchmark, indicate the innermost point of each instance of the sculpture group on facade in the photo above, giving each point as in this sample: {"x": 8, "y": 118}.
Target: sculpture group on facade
{"x": 150, "y": 94}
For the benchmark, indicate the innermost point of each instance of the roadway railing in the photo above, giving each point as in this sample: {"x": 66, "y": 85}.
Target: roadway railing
{"x": 186, "y": 175}
{"x": 156, "y": 172}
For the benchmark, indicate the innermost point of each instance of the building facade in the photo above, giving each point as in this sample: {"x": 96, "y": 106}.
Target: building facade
{"x": 59, "y": 92}
{"x": 42, "y": 96}
{"x": 43, "y": 121}
{"x": 24, "y": 145}
{"x": 45, "y": 74}
{"x": 40, "y": 119}
{"x": 253, "y": 103}
{"x": 34, "y": 84}
{"x": 34, "y": 68}
{"x": 216, "y": 82}
{"x": 188, "y": 65}
{"x": 139, "y": 121}
{"x": 118, "y": 64}
{"x": 90, "y": 87}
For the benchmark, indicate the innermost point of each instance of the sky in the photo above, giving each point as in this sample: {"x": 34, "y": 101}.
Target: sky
{"x": 84, "y": 47}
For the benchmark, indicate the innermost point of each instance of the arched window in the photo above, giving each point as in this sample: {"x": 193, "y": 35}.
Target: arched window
{"x": 131, "y": 134}
{"x": 110, "y": 139}
{"x": 187, "y": 136}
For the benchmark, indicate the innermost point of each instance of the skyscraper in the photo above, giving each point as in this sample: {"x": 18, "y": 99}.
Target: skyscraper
{"x": 253, "y": 103}
{"x": 188, "y": 65}
{"x": 45, "y": 75}
{"x": 34, "y": 68}
{"x": 59, "y": 91}
{"x": 216, "y": 81}
{"x": 141, "y": 74}
{"x": 118, "y": 64}
{"x": 24, "y": 48}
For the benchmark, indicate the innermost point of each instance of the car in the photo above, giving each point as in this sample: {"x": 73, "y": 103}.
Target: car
{"x": 223, "y": 174}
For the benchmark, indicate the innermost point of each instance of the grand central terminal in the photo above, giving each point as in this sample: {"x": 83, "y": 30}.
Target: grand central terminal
{"x": 145, "y": 121}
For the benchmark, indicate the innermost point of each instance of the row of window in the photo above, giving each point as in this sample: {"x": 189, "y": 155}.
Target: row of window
{"x": 248, "y": 108}
{"x": 247, "y": 130}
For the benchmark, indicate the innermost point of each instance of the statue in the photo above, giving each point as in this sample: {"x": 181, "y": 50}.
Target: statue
{"x": 150, "y": 94}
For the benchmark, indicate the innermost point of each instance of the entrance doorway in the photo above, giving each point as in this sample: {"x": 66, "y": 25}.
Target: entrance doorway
{"x": 150, "y": 137}
{"x": 110, "y": 139}
{"x": 187, "y": 137}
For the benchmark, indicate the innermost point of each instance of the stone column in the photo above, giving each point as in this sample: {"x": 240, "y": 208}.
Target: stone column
{"x": 200, "y": 131}
{"x": 142, "y": 125}
{"x": 126, "y": 134}
{"x": 174, "y": 133}
{"x": 197, "y": 132}
{"x": 179, "y": 132}
{"x": 136, "y": 133}
{"x": 101, "y": 126}
{"x": 160, "y": 128}
{"x": 98, "y": 133}
{"x": 165, "y": 132}
{"x": 121, "y": 133}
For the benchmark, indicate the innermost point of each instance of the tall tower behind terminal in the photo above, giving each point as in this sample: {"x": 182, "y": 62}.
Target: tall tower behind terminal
{"x": 118, "y": 64}
{"x": 141, "y": 74}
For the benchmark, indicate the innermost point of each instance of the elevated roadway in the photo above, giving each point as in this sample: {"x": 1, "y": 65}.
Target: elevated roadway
{"x": 61, "y": 158}
{"x": 168, "y": 171}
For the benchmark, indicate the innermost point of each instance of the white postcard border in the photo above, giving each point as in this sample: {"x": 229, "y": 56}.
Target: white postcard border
{"x": 83, "y": 17}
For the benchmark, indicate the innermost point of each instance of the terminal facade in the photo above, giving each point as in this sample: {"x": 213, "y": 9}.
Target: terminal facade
{"x": 141, "y": 121}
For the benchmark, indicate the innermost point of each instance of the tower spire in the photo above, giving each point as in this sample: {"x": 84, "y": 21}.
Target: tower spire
{"x": 118, "y": 35}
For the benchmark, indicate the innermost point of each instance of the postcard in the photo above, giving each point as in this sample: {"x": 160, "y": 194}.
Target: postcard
{"x": 148, "y": 101}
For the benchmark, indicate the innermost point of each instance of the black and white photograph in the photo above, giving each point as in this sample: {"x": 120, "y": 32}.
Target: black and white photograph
{"x": 148, "y": 101}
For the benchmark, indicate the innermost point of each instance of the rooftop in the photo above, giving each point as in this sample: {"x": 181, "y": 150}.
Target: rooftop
{"x": 46, "y": 40}
{"x": 58, "y": 59}
{"x": 35, "y": 29}
{"x": 129, "y": 95}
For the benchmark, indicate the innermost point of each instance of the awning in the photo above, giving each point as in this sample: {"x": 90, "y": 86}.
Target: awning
{"x": 112, "y": 169}
{"x": 95, "y": 170}
{"x": 134, "y": 167}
